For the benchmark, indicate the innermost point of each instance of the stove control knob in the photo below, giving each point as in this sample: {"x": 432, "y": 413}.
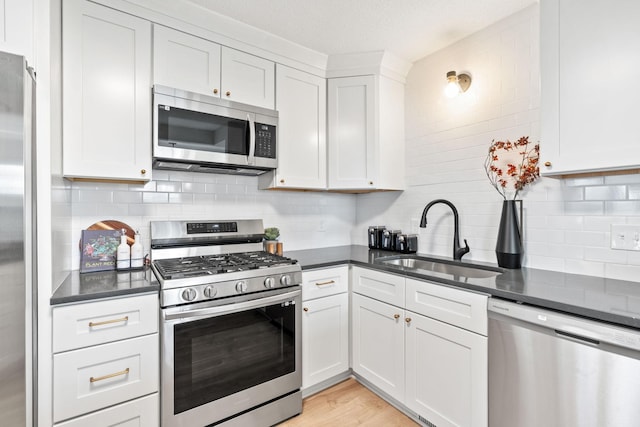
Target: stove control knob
{"x": 189, "y": 294}
{"x": 210, "y": 292}
{"x": 285, "y": 280}
{"x": 269, "y": 282}
{"x": 241, "y": 287}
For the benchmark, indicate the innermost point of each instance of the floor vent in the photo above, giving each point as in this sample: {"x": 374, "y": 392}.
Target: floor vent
{"x": 426, "y": 422}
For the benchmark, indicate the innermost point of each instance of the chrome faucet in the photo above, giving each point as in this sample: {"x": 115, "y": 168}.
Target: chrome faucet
{"x": 458, "y": 251}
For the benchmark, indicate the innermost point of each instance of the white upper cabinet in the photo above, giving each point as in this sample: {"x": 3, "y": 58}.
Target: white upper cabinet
{"x": 248, "y": 79}
{"x": 590, "y": 54}
{"x": 301, "y": 101}
{"x": 366, "y": 133}
{"x": 194, "y": 64}
{"x": 106, "y": 93}
{"x": 185, "y": 62}
{"x": 16, "y": 27}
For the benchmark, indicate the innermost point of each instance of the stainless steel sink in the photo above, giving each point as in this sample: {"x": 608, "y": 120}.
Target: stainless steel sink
{"x": 454, "y": 268}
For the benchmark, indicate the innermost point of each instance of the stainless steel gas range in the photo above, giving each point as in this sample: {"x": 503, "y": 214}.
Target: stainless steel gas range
{"x": 231, "y": 325}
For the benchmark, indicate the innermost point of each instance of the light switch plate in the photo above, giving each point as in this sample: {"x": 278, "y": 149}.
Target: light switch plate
{"x": 625, "y": 237}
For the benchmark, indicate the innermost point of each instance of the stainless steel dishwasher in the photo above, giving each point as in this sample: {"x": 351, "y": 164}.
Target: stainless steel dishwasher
{"x": 551, "y": 369}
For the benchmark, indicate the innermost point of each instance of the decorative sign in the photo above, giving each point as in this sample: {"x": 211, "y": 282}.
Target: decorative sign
{"x": 98, "y": 250}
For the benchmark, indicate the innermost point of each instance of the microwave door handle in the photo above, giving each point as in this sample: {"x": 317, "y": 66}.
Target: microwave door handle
{"x": 252, "y": 140}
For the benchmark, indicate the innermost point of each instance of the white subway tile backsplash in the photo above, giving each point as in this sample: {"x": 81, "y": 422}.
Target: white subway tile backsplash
{"x": 606, "y": 192}
{"x": 169, "y": 186}
{"x": 634, "y": 192}
{"x": 622, "y": 208}
{"x": 155, "y": 198}
{"x": 129, "y": 197}
{"x": 584, "y": 208}
{"x": 583, "y": 181}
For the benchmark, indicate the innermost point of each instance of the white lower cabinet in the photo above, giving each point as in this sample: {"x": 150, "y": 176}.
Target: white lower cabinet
{"x": 325, "y": 325}
{"x": 378, "y": 344}
{"x": 109, "y": 373}
{"x": 446, "y": 373}
{"x": 428, "y": 352}
{"x": 141, "y": 412}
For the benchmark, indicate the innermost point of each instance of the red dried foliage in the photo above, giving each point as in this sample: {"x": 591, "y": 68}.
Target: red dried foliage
{"x": 508, "y": 175}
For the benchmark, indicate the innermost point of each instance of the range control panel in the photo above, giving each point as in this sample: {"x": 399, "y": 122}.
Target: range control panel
{"x": 212, "y": 227}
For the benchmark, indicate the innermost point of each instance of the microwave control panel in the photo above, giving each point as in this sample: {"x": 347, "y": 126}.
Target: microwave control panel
{"x": 265, "y": 141}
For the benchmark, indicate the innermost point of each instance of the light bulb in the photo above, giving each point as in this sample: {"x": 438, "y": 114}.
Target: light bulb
{"x": 452, "y": 89}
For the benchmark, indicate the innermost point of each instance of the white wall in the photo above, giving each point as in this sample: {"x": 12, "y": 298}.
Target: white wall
{"x": 567, "y": 222}
{"x": 305, "y": 219}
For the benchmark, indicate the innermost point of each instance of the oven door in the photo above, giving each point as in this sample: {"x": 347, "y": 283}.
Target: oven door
{"x": 221, "y": 360}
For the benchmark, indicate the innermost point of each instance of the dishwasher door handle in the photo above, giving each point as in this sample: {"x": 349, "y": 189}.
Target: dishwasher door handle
{"x": 578, "y": 338}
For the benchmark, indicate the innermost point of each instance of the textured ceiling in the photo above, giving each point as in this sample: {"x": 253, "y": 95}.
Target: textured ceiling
{"x": 410, "y": 29}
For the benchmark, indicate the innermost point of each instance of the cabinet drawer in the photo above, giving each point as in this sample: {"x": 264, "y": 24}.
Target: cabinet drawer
{"x": 464, "y": 309}
{"x": 93, "y": 378}
{"x": 83, "y": 325}
{"x": 324, "y": 282}
{"x": 140, "y": 412}
{"x": 384, "y": 287}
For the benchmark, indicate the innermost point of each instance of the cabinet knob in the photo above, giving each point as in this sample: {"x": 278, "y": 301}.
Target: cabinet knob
{"x": 370, "y": 182}
{"x": 408, "y": 320}
{"x": 228, "y": 93}
{"x": 396, "y": 316}
{"x": 215, "y": 91}
{"x": 282, "y": 181}
{"x": 547, "y": 164}
{"x": 143, "y": 171}
{"x": 306, "y": 309}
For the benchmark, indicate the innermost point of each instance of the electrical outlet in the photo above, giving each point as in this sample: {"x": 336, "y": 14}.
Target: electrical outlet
{"x": 625, "y": 237}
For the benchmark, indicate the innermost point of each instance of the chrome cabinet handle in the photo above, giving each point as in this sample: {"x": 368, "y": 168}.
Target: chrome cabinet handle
{"x": 106, "y": 322}
{"x": 105, "y": 377}
{"x": 330, "y": 282}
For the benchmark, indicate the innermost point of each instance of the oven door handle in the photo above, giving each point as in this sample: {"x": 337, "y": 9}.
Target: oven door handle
{"x": 231, "y": 308}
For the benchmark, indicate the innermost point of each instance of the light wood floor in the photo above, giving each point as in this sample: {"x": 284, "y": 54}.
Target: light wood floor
{"x": 348, "y": 404}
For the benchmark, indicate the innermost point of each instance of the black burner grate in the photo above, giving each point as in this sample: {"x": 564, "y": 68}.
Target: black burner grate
{"x": 179, "y": 268}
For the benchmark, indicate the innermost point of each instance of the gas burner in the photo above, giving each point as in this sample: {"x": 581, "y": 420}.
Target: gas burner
{"x": 179, "y": 268}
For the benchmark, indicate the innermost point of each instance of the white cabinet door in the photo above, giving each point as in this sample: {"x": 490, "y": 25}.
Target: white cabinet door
{"x": 446, "y": 373}
{"x": 141, "y": 412}
{"x": 590, "y": 54}
{"x": 467, "y": 310}
{"x": 185, "y": 62}
{"x": 325, "y": 338}
{"x": 352, "y": 132}
{"x": 100, "y": 376}
{"x": 106, "y": 93}
{"x": 301, "y": 101}
{"x": 99, "y": 322}
{"x": 366, "y": 133}
{"x": 16, "y": 27}
{"x": 324, "y": 282}
{"x": 247, "y": 78}
{"x": 389, "y": 288}
{"x": 378, "y": 344}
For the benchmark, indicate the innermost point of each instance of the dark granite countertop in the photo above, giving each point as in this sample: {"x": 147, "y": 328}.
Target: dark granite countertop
{"x": 609, "y": 300}
{"x": 104, "y": 284}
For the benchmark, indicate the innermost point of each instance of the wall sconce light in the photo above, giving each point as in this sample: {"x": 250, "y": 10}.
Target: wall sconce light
{"x": 456, "y": 84}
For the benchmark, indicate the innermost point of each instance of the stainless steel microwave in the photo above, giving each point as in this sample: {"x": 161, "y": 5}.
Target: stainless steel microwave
{"x": 200, "y": 133}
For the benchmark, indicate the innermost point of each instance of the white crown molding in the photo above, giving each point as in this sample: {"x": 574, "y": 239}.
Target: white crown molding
{"x": 378, "y": 62}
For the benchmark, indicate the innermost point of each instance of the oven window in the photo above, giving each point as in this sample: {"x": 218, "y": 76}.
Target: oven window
{"x": 193, "y": 130}
{"x": 219, "y": 356}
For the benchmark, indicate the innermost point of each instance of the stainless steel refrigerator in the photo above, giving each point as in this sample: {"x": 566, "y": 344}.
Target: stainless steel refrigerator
{"x": 17, "y": 237}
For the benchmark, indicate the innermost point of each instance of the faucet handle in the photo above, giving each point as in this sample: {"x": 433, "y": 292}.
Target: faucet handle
{"x": 459, "y": 253}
